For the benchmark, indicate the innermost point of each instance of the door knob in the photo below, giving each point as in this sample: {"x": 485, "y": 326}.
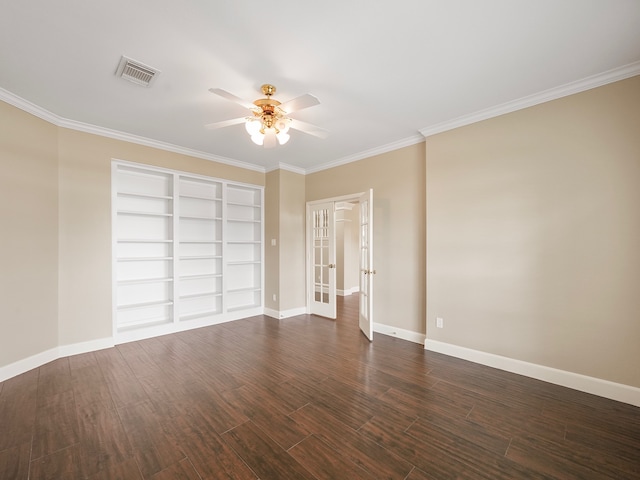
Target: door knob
{"x": 332, "y": 265}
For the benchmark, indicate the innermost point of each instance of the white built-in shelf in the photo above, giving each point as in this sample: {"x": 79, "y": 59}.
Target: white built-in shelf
{"x": 185, "y": 246}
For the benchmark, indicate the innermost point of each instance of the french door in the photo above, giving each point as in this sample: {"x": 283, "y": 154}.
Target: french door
{"x": 365, "y": 245}
{"x": 321, "y": 220}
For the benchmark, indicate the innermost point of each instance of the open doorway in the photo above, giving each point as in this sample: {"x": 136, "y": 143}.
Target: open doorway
{"x": 347, "y": 268}
{"x": 321, "y": 256}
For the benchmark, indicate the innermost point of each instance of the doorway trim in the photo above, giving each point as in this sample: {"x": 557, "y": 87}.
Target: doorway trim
{"x": 351, "y": 198}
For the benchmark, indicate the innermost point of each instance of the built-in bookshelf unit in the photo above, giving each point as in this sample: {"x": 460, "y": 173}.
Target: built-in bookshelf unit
{"x": 188, "y": 250}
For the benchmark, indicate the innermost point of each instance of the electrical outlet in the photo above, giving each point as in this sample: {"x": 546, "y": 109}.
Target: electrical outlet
{"x": 274, "y": 297}
{"x": 439, "y": 322}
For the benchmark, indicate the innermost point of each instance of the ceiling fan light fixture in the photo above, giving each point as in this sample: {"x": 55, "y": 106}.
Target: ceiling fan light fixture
{"x": 268, "y": 124}
{"x": 282, "y": 124}
{"x": 270, "y": 138}
{"x": 283, "y": 137}
{"x": 258, "y": 139}
{"x": 253, "y": 125}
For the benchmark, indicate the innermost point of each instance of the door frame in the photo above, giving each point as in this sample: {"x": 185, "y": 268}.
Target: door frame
{"x": 353, "y": 197}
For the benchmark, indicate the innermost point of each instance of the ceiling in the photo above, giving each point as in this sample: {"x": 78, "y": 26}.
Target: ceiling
{"x": 385, "y": 72}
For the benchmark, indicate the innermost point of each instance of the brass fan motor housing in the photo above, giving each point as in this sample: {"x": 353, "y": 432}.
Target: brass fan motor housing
{"x": 268, "y": 107}
{"x": 268, "y": 89}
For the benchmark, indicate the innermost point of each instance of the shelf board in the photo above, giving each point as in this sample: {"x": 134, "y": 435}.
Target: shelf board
{"x": 200, "y": 295}
{"x": 145, "y": 195}
{"x": 201, "y": 275}
{"x": 204, "y": 242}
{"x": 245, "y": 262}
{"x": 193, "y": 316}
{"x": 143, "y": 259}
{"x": 139, "y": 281}
{"x": 242, "y": 220}
{"x": 201, "y": 257}
{"x": 199, "y": 217}
{"x": 142, "y": 240}
{"x": 144, "y": 214}
{"x": 244, "y": 242}
{"x": 244, "y": 290}
{"x": 200, "y": 197}
{"x": 243, "y": 307}
{"x": 149, "y": 322}
{"x": 131, "y": 306}
{"x": 238, "y": 204}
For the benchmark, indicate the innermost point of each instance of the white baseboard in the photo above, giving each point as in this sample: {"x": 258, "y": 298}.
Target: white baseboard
{"x": 39, "y": 359}
{"x": 576, "y": 381}
{"x": 285, "y": 313}
{"x": 391, "y": 331}
{"x": 84, "y": 347}
{"x": 347, "y": 292}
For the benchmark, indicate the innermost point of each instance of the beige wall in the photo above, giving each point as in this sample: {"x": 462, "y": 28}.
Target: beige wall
{"x": 271, "y": 232}
{"x": 292, "y": 241}
{"x": 285, "y": 222}
{"x": 397, "y": 179}
{"x": 533, "y": 238}
{"x": 29, "y": 240}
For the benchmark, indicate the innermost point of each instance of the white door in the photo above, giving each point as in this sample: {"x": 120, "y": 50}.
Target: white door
{"x": 367, "y": 272}
{"x": 322, "y": 259}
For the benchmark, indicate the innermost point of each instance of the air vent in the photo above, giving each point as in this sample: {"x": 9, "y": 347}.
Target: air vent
{"x": 136, "y": 72}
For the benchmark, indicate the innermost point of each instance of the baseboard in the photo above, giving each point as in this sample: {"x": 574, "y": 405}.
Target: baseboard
{"x": 391, "y": 331}
{"x": 39, "y": 359}
{"x": 347, "y": 292}
{"x": 285, "y": 313}
{"x": 576, "y": 381}
{"x": 85, "y": 347}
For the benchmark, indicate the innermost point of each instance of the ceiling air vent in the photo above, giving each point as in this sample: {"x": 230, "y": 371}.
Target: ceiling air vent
{"x": 136, "y": 72}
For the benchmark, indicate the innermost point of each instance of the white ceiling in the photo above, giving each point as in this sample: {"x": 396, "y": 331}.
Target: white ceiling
{"x": 383, "y": 71}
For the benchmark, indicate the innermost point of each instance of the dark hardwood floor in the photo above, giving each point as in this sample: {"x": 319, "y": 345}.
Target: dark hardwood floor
{"x": 305, "y": 398}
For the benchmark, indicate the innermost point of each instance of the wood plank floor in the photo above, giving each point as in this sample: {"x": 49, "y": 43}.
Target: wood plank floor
{"x": 306, "y": 398}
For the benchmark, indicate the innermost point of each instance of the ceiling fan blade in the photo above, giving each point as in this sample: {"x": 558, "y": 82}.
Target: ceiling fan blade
{"x": 232, "y": 97}
{"x": 309, "y": 128}
{"x": 303, "y": 101}
{"x": 225, "y": 123}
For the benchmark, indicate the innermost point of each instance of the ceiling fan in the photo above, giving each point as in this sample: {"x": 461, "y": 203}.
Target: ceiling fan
{"x": 269, "y": 121}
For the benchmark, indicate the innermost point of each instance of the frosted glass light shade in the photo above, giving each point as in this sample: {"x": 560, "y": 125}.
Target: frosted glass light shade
{"x": 258, "y": 139}
{"x": 283, "y": 125}
{"x": 253, "y": 126}
{"x": 283, "y": 137}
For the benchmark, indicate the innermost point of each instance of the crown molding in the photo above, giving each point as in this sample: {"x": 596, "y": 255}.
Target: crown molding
{"x": 610, "y": 76}
{"x": 405, "y": 142}
{"x": 62, "y": 122}
{"x": 287, "y": 167}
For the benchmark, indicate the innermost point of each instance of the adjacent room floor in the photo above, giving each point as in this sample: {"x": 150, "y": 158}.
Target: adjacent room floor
{"x": 307, "y": 398}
